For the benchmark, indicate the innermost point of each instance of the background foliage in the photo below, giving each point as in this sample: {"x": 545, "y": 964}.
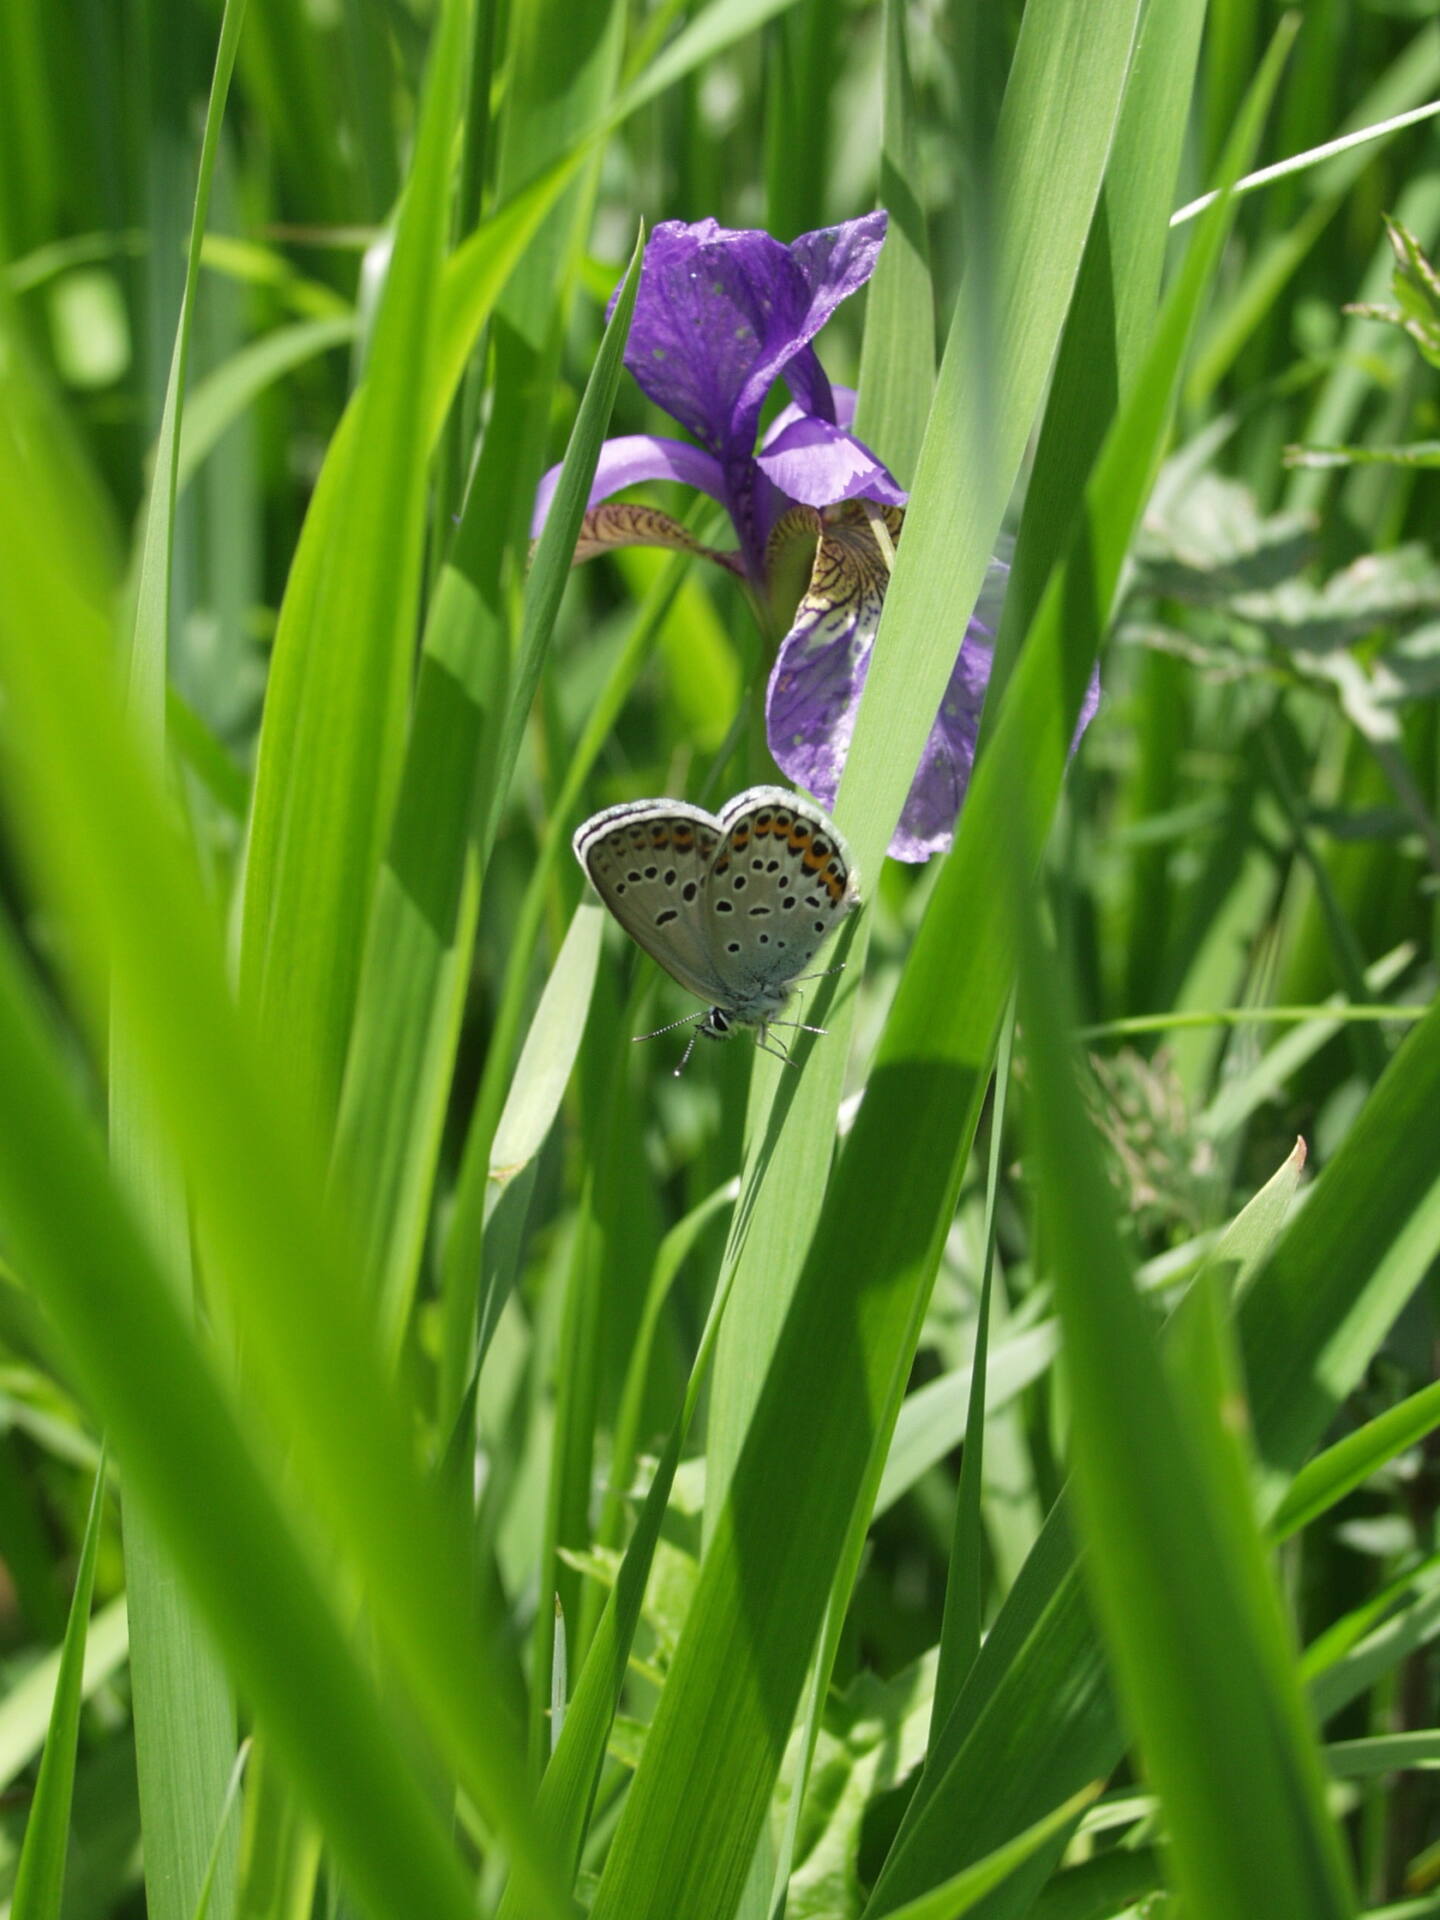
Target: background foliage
{"x": 446, "y": 1462}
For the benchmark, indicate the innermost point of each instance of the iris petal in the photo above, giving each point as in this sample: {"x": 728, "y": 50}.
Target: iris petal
{"x": 631, "y": 458}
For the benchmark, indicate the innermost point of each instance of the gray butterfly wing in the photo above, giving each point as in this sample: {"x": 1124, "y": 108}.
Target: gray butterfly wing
{"x": 650, "y": 861}
{"x": 781, "y": 882}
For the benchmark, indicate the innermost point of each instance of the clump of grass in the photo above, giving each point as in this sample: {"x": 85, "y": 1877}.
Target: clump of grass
{"x": 528, "y": 1478}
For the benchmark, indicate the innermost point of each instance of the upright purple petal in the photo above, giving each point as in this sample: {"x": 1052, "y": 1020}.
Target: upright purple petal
{"x": 722, "y": 312}
{"x": 713, "y": 304}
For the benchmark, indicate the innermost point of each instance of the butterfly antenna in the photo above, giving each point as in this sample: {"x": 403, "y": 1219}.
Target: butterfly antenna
{"x": 689, "y": 1049}
{"x": 690, "y": 1020}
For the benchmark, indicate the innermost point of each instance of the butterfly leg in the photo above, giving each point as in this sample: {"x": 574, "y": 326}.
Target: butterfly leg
{"x": 777, "y": 1051}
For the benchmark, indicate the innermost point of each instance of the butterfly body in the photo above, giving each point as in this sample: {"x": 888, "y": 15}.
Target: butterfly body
{"x": 733, "y": 905}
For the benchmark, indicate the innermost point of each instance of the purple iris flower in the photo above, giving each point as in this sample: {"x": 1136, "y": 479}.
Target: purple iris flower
{"x": 720, "y": 316}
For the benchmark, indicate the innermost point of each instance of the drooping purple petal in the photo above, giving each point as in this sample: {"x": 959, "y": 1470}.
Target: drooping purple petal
{"x": 820, "y": 673}
{"x": 927, "y": 821}
{"x": 631, "y": 458}
{"x": 820, "y": 669}
{"x": 817, "y": 464}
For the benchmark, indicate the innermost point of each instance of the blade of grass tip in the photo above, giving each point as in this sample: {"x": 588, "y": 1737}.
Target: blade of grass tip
{"x": 553, "y": 558}
{"x": 1174, "y": 1557}
{"x": 228, "y": 1809}
{"x": 184, "y": 1714}
{"x": 897, "y": 354}
{"x": 332, "y": 732}
{"x": 1242, "y": 1249}
{"x": 40, "y": 1872}
{"x": 964, "y": 1592}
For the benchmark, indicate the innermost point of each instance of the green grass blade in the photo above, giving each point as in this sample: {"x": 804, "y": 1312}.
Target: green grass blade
{"x": 1174, "y": 1557}
{"x": 224, "y": 395}
{"x": 335, "y": 711}
{"x": 549, "y": 1052}
{"x": 1056, "y": 123}
{"x": 40, "y": 1872}
{"x": 1246, "y": 1243}
{"x": 98, "y": 832}
{"x": 963, "y": 1618}
{"x": 897, "y": 359}
{"x": 688, "y": 1830}
{"x": 184, "y": 1715}
{"x": 554, "y": 554}
{"x": 28, "y": 1704}
{"x": 464, "y": 742}
{"x": 1325, "y": 1480}
{"x": 1113, "y": 313}
{"x": 965, "y": 1889}
{"x": 1007, "y": 807}
{"x": 150, "y": 638}
{"x": 1325, "y": 1299}
{"x": 184, "y": 1454}
{"x": 469, "y": 1222}
{"x": 550, "y": 570}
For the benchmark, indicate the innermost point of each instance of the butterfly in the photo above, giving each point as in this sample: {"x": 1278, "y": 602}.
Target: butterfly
{"x": 734, "y": 906}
